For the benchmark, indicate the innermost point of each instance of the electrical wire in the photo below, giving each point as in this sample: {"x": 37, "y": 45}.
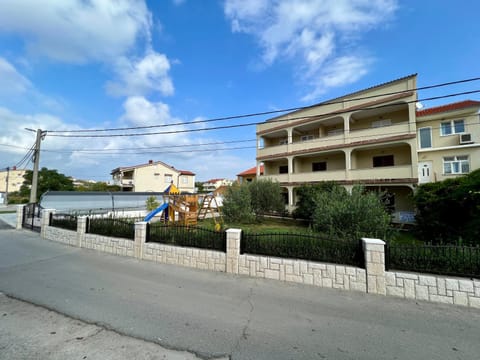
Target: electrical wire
{"x": 268, "y": 112}
{"x": 269, "y": 121}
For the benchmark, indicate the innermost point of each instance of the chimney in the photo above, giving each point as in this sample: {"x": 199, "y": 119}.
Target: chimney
{"x": 150, "y": 162}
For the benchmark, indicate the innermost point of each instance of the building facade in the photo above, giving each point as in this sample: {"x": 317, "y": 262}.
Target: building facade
{"x": 367, "y": 137}
{"x": 249, "y": 175}
{"x": 214, "y": 184}
{"x": 374, "y": 137}
{"x": 11, "y": 180}
{"x": 448, "y": 141}
{"x": 154, "y": 176}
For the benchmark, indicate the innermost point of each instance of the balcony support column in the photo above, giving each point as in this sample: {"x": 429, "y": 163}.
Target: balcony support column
{"x": 289, "y": 135}
{"x": 290, "y": 164}
{"x": 346, "y": 126}
{"x": 348, "y": 162}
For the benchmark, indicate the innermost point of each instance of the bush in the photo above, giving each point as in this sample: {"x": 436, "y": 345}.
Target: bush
{"x": 237, "y": 204}
{"x": 152, "y": 203}
{"x": 448, "y": 212}
{"x": 350, "y": 216}
{"x": 306, "y": 204}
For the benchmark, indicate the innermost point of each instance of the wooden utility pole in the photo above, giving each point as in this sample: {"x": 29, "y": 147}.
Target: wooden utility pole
{"x": 36, "y": 162}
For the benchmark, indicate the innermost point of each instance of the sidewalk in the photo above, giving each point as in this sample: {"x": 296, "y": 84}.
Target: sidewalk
{"x": 32, "y": 332}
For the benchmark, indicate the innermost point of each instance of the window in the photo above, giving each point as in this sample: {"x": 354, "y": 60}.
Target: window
{"x": 383, "y": 160}
{"x": 452, "y": 127}
{"x": 319, "y": 166}
{"x": 306, "y": 137}
{"x": 381, "y": 123}
{"x": 283, "y": 142}
{"x": 283, "y": 169}
{"x": 425, "y": 137}
{"x": 184, "y": 180}
{"x": 456, "y": 165}
{"x": 168, "y": 178}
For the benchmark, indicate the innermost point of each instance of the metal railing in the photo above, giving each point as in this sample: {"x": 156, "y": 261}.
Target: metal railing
{"x": 32, "y": 217}
{"x": 313, "y": 247}
{"x": 186, "y": 236}
{"x": 122, "y": 228}
{"x": 435, "y": 259}
{"x": 63, "y": 221}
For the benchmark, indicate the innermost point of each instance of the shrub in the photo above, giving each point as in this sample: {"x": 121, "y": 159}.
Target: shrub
{"x": 152, "y": 203}
{"x": 350, "y": 216}
{"x": 306, "y": 199}
{"x": 237, "y": 204}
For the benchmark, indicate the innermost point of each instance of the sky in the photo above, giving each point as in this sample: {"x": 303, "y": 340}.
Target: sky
{"x": 176, "y": 67}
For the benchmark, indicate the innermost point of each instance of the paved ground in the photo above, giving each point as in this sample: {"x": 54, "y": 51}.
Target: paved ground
{"x": 219, "y": 315}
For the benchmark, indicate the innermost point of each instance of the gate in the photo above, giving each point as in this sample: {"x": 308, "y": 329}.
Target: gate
{"x": 32, "y": 217}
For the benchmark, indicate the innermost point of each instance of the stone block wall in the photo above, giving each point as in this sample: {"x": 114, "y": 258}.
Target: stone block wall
{"x": 434, "y": 288}
{"x": 111, "y": 245}
{"x": 64, "y": 236}
{"x": 190, "y": 257}
{"x": 304, "y": 272}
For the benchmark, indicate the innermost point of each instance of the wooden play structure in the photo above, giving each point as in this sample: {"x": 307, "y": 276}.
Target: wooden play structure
{"x": 182, "y": 209}
{"x": 210, "y": 207}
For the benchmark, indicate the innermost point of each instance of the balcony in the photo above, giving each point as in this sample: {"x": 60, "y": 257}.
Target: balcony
{"x": 388, "y": 172}
{"x": 335, "y": 175}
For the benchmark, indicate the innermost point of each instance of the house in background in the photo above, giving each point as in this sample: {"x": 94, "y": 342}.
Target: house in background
{"x": 250, "y": 174}
{"x": 448, "y": 141}
{"x": 154, "y": 176}
{"x": 11, "y": 180}
{"x": 367, "y": 137}
{"x": 214, "y": 184}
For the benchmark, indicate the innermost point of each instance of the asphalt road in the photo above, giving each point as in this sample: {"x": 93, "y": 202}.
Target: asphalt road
{"x": 219, "y": 315}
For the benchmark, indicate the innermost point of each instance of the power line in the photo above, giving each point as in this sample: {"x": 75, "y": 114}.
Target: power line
{"x": 265, "y": 112}
{"x": 257, "y": 123}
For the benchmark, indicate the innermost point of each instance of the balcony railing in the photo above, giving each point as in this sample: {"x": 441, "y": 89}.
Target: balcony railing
{"x": 388, "y": 172}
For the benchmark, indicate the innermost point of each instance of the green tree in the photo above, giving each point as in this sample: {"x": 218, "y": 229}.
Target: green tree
{"x": 98, "y": 186}
{"x": 47, "y": 180}
{"x": 237, "y": 205}
{"x": 152, "y": 203}
{"x": 350, "y": 216}
{"x": 265, "y": 197}
{"x": 306, "y": 204}
{"x": 199, "y": 186}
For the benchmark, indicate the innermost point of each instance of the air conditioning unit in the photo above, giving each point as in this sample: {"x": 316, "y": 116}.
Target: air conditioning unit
{"x": 466, "y": 138}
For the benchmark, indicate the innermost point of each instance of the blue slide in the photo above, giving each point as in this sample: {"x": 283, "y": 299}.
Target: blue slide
{"x": 151, "y": 214}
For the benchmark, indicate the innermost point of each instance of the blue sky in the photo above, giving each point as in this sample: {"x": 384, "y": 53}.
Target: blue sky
{"x": 96, "y": 64}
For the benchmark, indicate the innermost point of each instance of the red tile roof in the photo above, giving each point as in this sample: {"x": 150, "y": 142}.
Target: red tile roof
{"x": 186, "y": 172}
{"x": 251, "y": 171}
{"x": 448, "y": 107}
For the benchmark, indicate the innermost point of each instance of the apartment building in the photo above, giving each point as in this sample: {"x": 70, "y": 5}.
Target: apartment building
{"x": 368, "y": 137}
{"x": 11, "y": 180}
{"x": 214, "y": 184}
{"x": 154, "y": 176}
{"x": 448, "y": 141}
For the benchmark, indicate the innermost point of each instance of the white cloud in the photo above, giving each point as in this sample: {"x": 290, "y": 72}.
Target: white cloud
{"x": 139, "y": 77}
{"x": 319, "y": 37}
{"x": 77, "y": 31}
{"x": 12, "y": 82}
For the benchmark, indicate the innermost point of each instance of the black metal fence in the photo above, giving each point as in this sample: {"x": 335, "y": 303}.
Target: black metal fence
{"x": 434, "y": 259}
{"x": 186, "y": 236}
{"x": 122, "y": 228}
{"x": 32, "y": 217}
{"x": 64, "y": 221}
{"x": 313, "y": 247}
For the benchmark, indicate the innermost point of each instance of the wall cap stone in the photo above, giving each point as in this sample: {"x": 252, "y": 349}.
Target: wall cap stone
{"x": 373, "y": 241}
{"x": 233, "y": 231}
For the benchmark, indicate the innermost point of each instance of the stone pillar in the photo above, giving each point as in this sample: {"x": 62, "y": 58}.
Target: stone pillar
{"x": 374, "y": 250}
{"x": 233, "y": 250}
{"x": 19, "y": 217}
{"x": 81, "y": 230}
{"x": 45, "y": 221}
{"x": 140, "y": 238}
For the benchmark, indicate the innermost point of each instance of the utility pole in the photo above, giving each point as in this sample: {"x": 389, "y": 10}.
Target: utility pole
{"x": 36, "y": 162}
{"x": 6, "y": 187}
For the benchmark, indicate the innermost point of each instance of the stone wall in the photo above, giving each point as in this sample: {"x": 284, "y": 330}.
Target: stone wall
{"x": 427, "y": 287}
{"x": 305, "y": 272}
{"x": 190, "y": 257}
{"x": 373, "y": 279}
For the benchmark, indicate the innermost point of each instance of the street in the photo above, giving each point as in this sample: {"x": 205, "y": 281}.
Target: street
{"x": 218, "y": 315}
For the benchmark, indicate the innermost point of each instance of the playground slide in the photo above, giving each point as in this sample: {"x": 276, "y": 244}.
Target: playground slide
{"x": 151, "y": 214}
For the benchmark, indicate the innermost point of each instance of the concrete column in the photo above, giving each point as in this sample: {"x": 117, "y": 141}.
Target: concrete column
{"x": 374, "y": 250}
{"x": 81, "y": 230}
{"x": 290, "y": 164}
{"x": 348, "y": 163}
{"x": 45, "y": 221}
{"x": 140, "y": 238}
{"x": 19, "y": 217}
{"x": 290, "y": 196}
{"x": 346, "y": 126}
{"x": 233, "y": 250}
{"x": 289, "y": 135}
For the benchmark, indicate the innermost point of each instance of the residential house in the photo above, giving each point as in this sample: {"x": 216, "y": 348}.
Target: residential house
{"x": 448, "y": 141}
{"x": 249, "y": 175}
{"x": 154, "y": 176}
{"x": 214, "y": 184}
{"x": 367, "y": 137}
{"x": 11, "y": 180}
